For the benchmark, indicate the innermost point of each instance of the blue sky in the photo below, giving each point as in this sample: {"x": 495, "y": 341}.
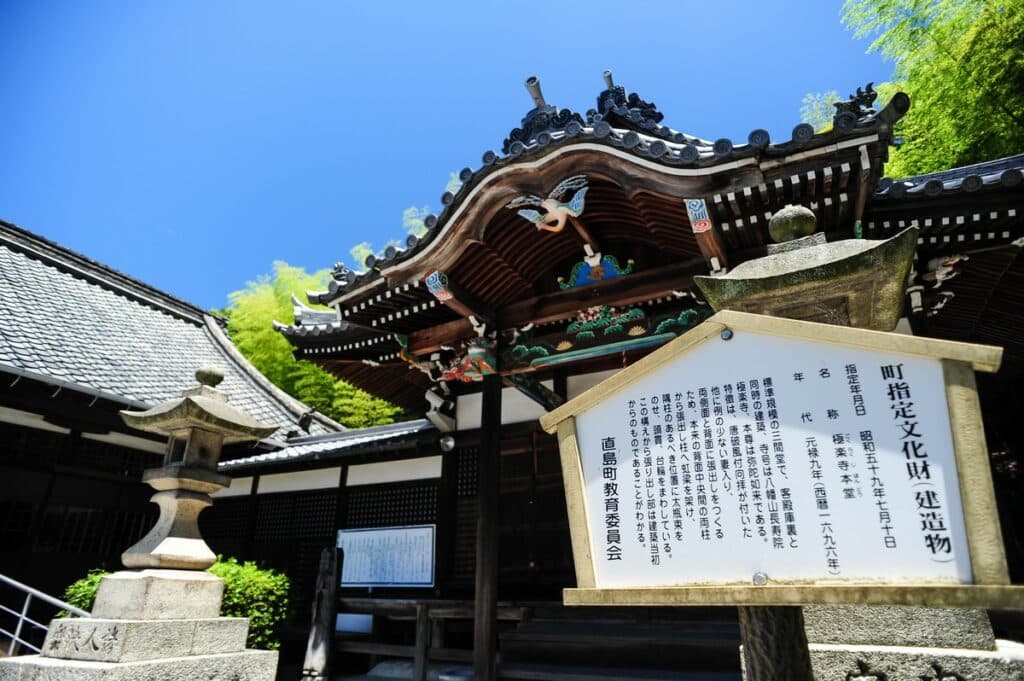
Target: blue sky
{"x": 190, "y": 144}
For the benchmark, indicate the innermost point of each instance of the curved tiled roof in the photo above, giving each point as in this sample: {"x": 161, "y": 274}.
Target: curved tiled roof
{"x": 1003, "y": 172}
{"x": 626, "y": 123}
{"x": 333, "y": 446}
{"x": 72, "y": 322}
{"x": 310, "y": 322}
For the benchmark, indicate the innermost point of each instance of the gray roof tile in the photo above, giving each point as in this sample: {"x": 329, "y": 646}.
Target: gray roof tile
{"x": 68, "y": 320}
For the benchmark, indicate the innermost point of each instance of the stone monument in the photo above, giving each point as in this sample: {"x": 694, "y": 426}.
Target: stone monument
{"x": 861, "y": 283}
{"x": 161, "y": 620}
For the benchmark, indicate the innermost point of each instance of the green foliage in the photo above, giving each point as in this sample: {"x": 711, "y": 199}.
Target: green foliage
{"x": 259, "y": 594}
{"x": 962, "y": 63}
{"x": 454, "y": 183}
{"x": 82, "y": 593}
{"x": 360, "y": 252}
{"x": 523, "y": 353}
{"x": 631, "y": 315}
{"x": 816, "y": 109}
{"x": 412, "y": 220}
{"x": 250, "y": 323}
{"x": 249, "y": 591}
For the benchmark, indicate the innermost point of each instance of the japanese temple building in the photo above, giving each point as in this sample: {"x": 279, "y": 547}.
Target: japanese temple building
{"x": 79, "y": 342}
{"x": 564, "y": 257}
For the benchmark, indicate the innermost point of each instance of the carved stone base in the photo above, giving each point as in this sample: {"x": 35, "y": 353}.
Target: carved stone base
{"x": 896, "y": 663}
{"x": 158, "y": 595}
{"x": 251, "y": 665}
{"x": 103, "y": 640}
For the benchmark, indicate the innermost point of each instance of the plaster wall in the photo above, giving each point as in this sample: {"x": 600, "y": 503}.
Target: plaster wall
{"x": 323, "y": 478}
{"x": 327, "y": 478}
{"x": 515, "y": 408}
{"x": 394, "y": 471}
{"x": 238, "y": 487}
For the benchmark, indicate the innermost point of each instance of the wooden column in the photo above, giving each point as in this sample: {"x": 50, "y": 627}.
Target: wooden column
{"x": 774, "y": 644}
{"x": 254, "y": 512}
{"x": 419, "y": 661}
{"x": 341, "y": 503}
{"x": 485, "y": 613}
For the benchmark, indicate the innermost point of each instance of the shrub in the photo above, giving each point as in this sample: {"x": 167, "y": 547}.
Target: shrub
{"x": 82, "y": 594}
{"x": 259, "y": 594}
{"x": 249, "y": 591}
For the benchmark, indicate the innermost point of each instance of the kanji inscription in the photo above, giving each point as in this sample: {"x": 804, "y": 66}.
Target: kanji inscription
{"x": 768, "y": 455}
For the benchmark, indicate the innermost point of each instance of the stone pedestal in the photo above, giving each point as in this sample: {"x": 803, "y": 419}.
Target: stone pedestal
{"x": 908, "y": 644}
{"x": 148, "y": 625}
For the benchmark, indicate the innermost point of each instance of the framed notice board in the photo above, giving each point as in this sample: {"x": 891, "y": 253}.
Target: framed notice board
{"x": 388, "y": 556}
{"x": 764, "y": 461}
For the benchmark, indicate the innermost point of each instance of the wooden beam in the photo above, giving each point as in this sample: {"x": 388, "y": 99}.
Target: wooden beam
{"x": 485, "y": 611}
{"x": 535, "y": 390}
{"x": 619, "y": 292}
{"x": 704, "y": 233}
{"x": 449, "y": 293}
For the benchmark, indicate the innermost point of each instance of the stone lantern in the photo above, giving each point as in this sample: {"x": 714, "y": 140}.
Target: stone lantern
{"x": 197, "y": 426}
{"x": 851, "y": 282}
{"x": 163, "y": 619}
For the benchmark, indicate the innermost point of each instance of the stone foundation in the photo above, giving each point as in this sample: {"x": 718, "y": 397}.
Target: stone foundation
{"x": 150, "y": 625}
{"x": 908, "y": 644}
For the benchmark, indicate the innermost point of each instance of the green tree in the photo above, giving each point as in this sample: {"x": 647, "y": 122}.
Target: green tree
{"x": 359, "y": 253}
{"x": 251, "y": 314}
{"x": 816, "y": 109}
{"x": 962, "y": 63}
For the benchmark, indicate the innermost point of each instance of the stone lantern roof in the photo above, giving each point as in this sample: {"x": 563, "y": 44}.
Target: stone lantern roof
{"x": 200, "y": 407}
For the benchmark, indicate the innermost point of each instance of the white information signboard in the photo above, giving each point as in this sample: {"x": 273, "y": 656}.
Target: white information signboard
{"x": 388, "y": 556}
{"x": 765, "y": 456}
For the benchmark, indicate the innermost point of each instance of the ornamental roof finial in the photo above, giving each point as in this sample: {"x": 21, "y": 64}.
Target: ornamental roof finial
{"x": 533, "y": 87}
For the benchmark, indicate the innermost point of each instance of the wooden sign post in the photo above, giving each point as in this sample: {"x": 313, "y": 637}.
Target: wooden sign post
{"x": 759, "y": 461}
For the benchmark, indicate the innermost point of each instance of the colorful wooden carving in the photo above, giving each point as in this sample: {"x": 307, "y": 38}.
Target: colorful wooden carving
{"x": 697, "y": 211}
{"x": 477, "y": 361}
{"x": 437, "y": 284}
{"x": 556, "y": 213}
{"x": 599, "y": 331}
{"x": 595, "y": 268}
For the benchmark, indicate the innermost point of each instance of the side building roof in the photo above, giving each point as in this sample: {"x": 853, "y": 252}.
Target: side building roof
{"x": 74, "y": 323}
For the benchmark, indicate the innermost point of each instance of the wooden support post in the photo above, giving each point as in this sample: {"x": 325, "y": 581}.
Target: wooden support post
{"x": 560, "y": 383}
{"x": 316, "y": 666}
{"x": 419, "y": 661}
{"x": 341, "y": 502}
{"x": 254, "y": 512}
{"x": 774, "y": 644}
{"x": 863, "y": 189}
{"x": 485, "y": 612}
